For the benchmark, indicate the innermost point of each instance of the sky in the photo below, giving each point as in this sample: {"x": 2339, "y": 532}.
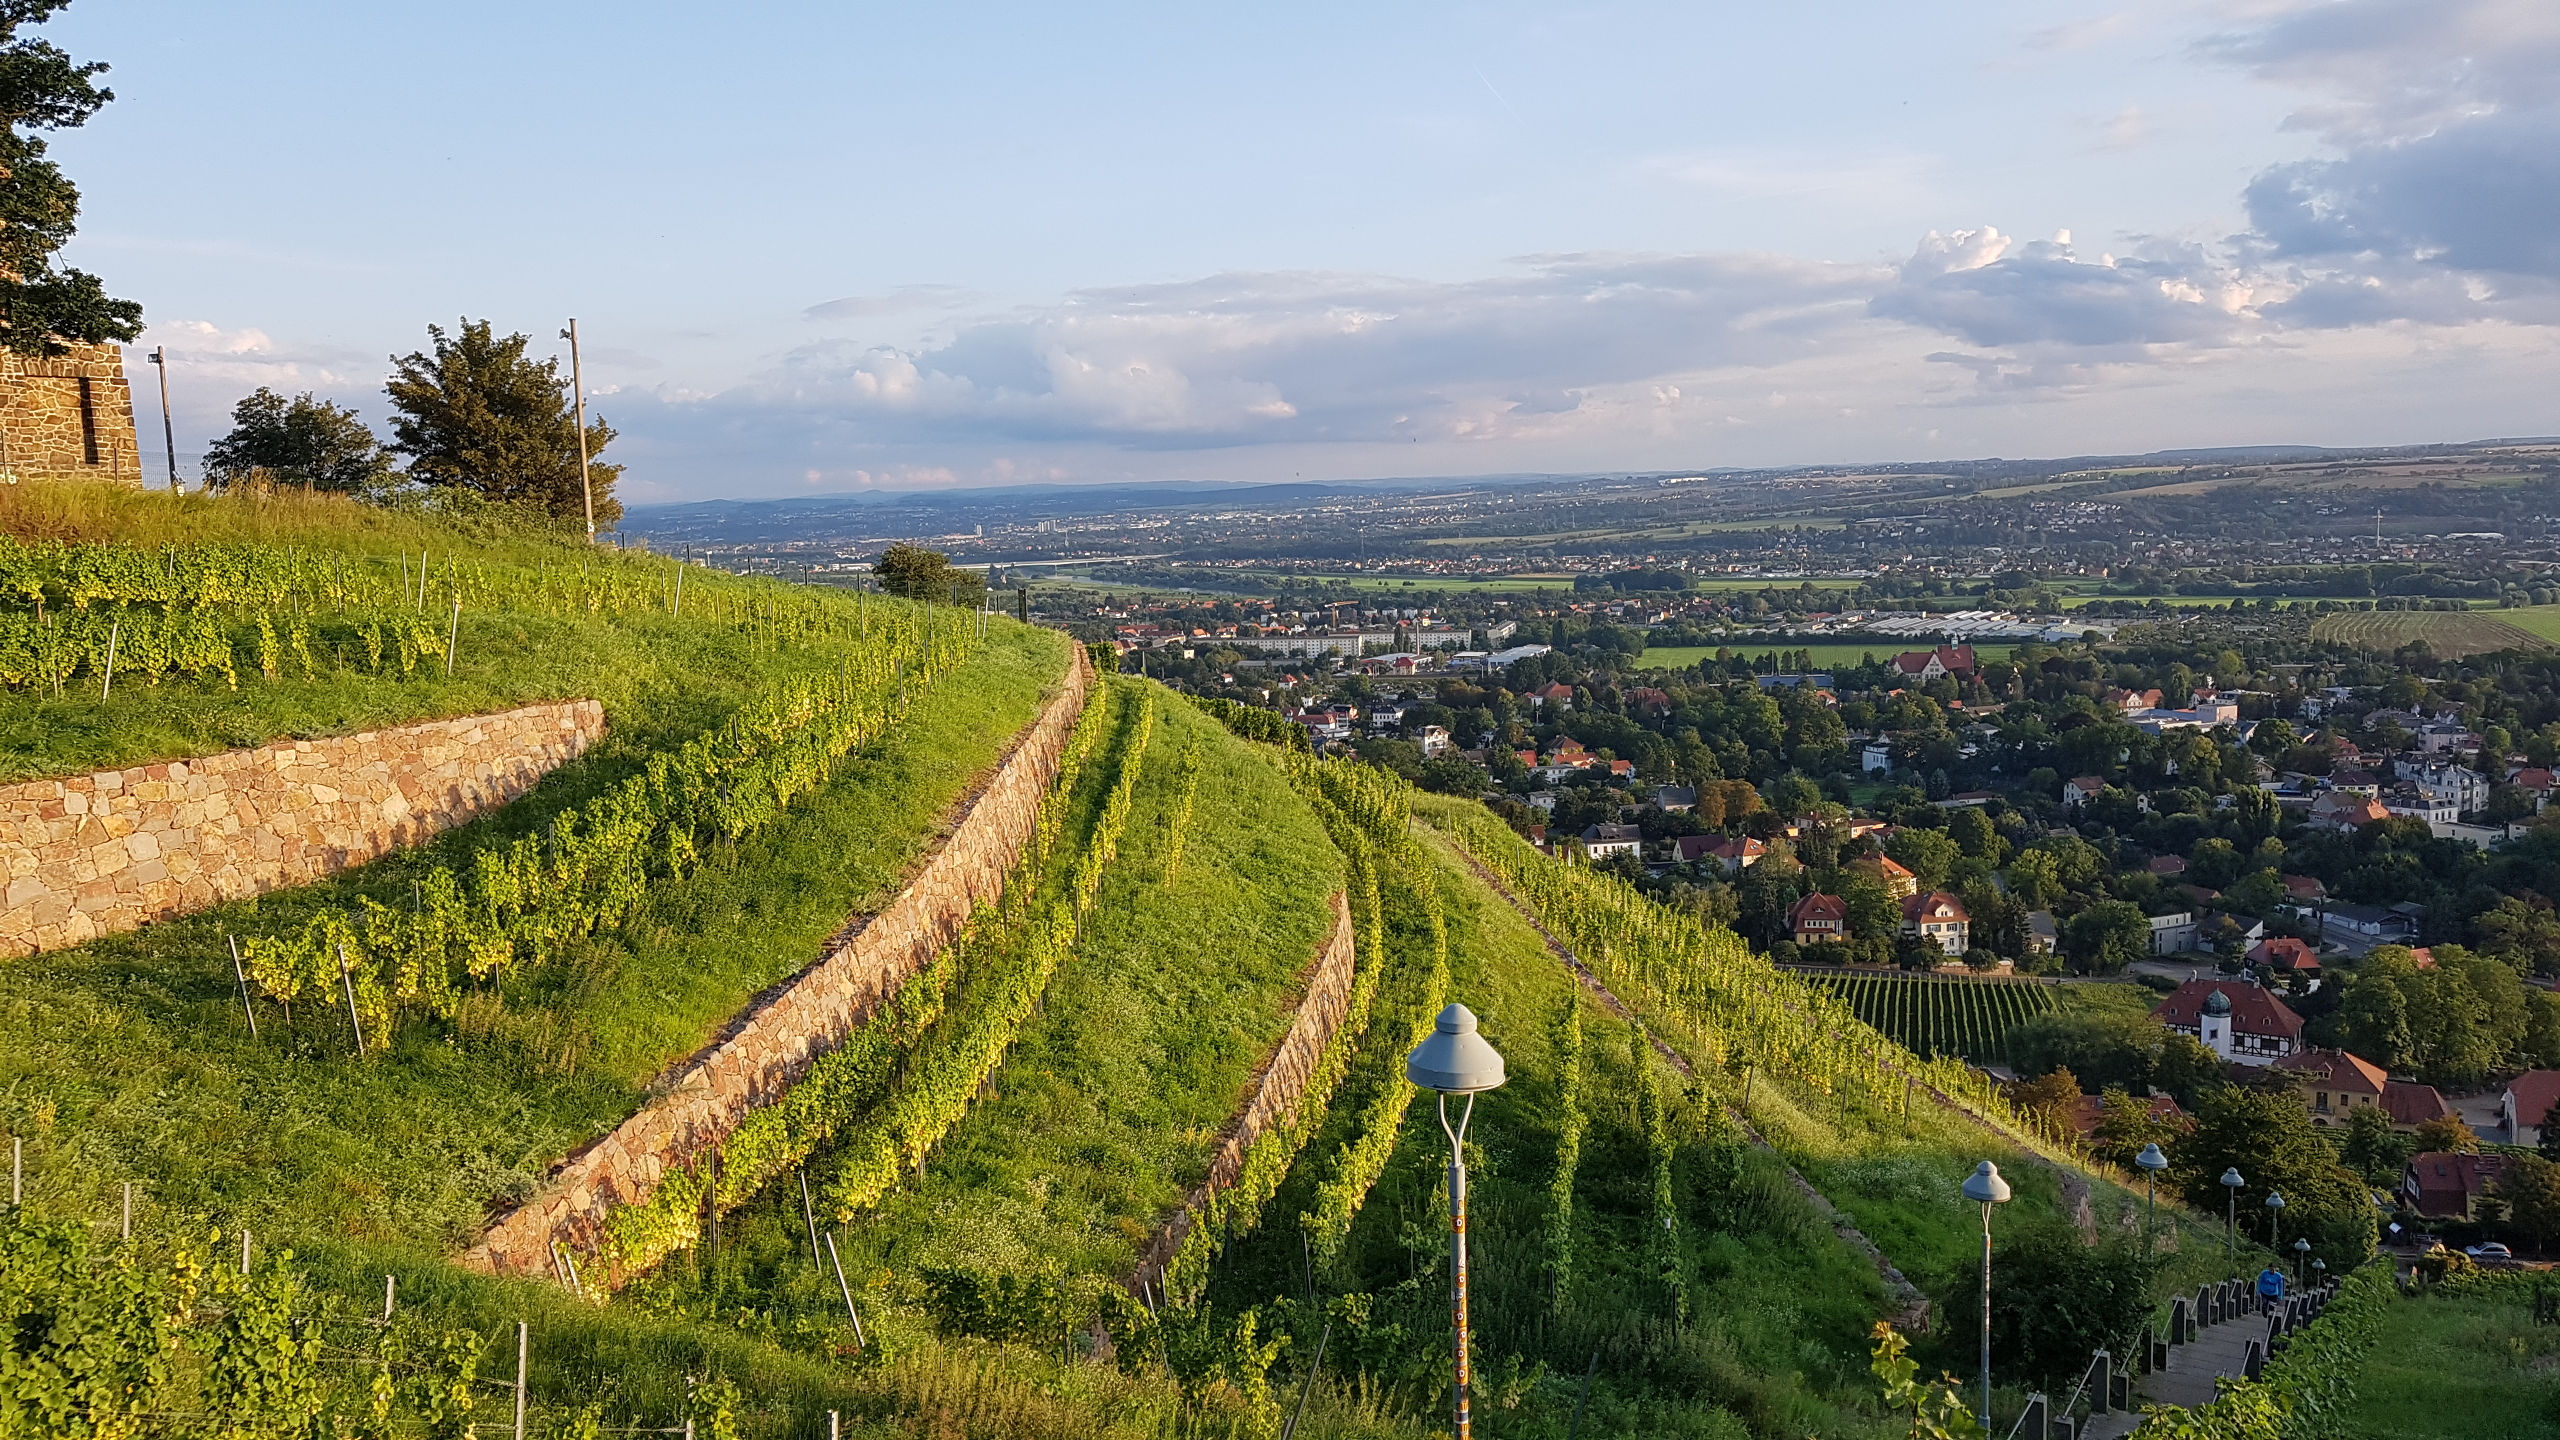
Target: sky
{"x": 829, "y": 247}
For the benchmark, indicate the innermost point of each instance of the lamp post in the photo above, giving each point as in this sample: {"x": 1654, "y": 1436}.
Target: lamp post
{"x": 2231, "y": 1183}
{"x": 2275, "y": 1217}
{"x": 2301, "y": 1261}
{"x": 1455, "y": 1060}
{"x": 1985, "y": 1187}
{"x": 2151, "y": 1162}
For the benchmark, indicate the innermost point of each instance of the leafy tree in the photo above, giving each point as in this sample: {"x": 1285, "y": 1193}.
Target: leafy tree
{"x": 302, "y": 441}
{"x": 2268, "y": 1137}
{"x": 1927, "y": 854}
{"x": 1454, "y": 775}
{"x": 2447, "y": 1132}
{"x": 1918, "y": 952}
{"x": 2372, "y": 1148}
{"x": 1873, "y": 915}
{"x": 921, "y": 574}
{"x": 477, "y": 414}
{"x": 2530, "y": 934}
{"x": 2108, "y": 1049}
{"x": 2107, "y": 937}
{"x": 1973, "y": 833}
{"x": 1404, "y": 757}
{"x": 2531, "y": 1188}
{"x": 2547, "y": 1143}
{"x": 2055, "y": 1299}
{"x": 2050, "y": 1098}
{"x": 2035, "y": 877}
{"x": 2125, "y": 1125}
{"x": 44, "y": 304}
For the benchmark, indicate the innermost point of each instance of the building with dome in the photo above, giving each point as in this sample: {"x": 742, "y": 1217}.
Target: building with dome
{"x": 2235, "y": 1019}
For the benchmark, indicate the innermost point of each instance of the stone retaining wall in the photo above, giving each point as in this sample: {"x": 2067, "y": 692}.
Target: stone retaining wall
{"x": 96, "y": 854}
{"x": 774, "y": 1040}
{"x": 1275, "y": 1093}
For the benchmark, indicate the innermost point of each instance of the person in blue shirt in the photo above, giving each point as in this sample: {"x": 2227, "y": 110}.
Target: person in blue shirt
{"x": 2270, "y": 1289}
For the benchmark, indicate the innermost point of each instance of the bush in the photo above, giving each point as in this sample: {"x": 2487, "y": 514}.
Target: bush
{"x": 2055, "y": 1299}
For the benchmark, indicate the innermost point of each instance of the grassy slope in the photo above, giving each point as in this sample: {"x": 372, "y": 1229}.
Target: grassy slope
{"x": 1107, "y": 1110}
{"x": 2467, "y": 1368}
{"x": 2447, "y": 632}
{"x": 128, "y": 1059}
{"x": 661, "y": 679}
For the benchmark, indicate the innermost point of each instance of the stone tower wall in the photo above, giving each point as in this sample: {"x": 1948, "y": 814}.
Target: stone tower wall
{"x": 68, "y": 418}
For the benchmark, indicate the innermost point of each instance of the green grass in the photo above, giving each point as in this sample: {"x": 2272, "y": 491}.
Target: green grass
{"x": 2458, "y": 1368}
{"x": 1107, "y": 1110}
{"x": 127, "y": 1059}
{"x": 1928, "y": 1016}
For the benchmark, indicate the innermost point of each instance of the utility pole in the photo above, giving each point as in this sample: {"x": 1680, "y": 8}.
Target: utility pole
{"x": 578, "y": 385}
{"x": 168, "y": 428}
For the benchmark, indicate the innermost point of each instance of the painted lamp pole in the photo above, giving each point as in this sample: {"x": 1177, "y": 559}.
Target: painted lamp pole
{"x": 1455, "y": 1060}
{"x": 1985, "y": 1187}
{"x": 2151, "y": 1162}
{"x": 2302, "y": 1261}
{"x": 2231, "y": 1183}
{"x": 2275, "y": 1217}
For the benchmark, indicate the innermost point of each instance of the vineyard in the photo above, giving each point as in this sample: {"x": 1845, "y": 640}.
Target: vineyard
{"x": 1969, "y": 1019}
{"x": 2449, "y": 633}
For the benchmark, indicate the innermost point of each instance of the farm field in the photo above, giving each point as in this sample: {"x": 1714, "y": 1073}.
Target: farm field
{"x": 2448, "y": 633}
{"x": 1933, "y": 1016}
{"x": 2459, "y": 1367}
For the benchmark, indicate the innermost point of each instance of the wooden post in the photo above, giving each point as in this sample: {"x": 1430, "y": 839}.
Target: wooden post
{"x": 390, "y": 1293}
{"x": 524, "y": 1346}
{"x": 244, "y": 1249}
{"x": 347, "y": 979}
{"x": 242, "y": 976}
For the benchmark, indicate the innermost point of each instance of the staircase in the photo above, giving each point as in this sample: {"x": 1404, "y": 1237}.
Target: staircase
{"x": 2220, "y": 1330}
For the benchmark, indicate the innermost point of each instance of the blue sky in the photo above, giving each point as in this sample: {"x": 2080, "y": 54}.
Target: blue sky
{"x": 832, "y": 247}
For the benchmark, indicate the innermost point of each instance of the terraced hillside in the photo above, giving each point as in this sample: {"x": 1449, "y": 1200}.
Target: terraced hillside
{"x": 1130, "y": 1154}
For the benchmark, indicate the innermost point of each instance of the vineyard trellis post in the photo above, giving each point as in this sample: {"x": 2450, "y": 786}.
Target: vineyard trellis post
{"x": 524, "y": 1349}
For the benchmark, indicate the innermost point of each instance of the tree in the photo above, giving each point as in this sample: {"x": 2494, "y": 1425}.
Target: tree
{"x": 302, "y": 441}
{"x": 2050, "y": 1098}
{"x": 2035, "y": 877}
{"x": 2268, "y": 1137}
{"x": 1927, "y": 854}
{"x": 921, "y": 574}
{"x": 45, "y": 306}
{"x": 2447, "y": 1132}
{"x": 1873, "y": 913}
{"x": 1454, "y": 775}
{"x": 2372, "y": 1148}
{"x": 476, "y": 414}
{"x": 2125, "y": 1125}
{"x": 2531, "y": 1188}
{"x": 2107, "y": 937}
{"x": 2055, "y": 1299}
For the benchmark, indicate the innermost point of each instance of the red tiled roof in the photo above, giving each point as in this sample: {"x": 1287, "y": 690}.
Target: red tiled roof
{"x": 2535, "y": 1090}
{"x": 2447, "y": 1181}
{"x": 1935, "y": 905}
{"x": 1818, "y": 907}
{"x": 2411, "y": 1103}
{"x": 2253, "y": 1010}
{"x": 2166, "y": 865}
{"x": 2284, "y": 952}
{"x": 2305, "y": 887}
{"x": 2338, "y": 1069}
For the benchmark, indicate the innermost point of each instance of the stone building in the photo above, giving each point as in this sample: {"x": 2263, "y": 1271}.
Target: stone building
{"x": 68, "y": 417}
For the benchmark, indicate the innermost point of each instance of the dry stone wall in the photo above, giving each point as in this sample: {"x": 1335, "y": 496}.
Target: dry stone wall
{"x": 96, "y": 854}
{"x": 764, "y": 1051}
{"x": 1276, "y": 1091}
{"x": 68, "y": 416}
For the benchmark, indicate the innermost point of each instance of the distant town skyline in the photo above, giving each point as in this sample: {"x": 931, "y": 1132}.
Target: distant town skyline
{"x": 827, "y": 248}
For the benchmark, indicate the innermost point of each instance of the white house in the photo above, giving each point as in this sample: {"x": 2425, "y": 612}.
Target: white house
{"x": 2171, "y": 934}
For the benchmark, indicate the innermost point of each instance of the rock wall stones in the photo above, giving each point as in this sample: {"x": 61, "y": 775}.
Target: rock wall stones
{"x": 775, "y": 1039}
{"x": 96, "y": 854}
{"x": 1276, "y": 1091}
{"x": 68, "y": 416}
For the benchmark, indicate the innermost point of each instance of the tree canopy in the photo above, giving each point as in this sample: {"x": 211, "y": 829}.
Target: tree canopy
{"x": 302, "y": 441}
{"x": 44, "y": 304}
{"x": 921, "y": 574}
{"x": 475, "y": 413}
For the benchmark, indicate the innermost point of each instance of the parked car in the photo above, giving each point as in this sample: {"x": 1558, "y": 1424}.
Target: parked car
{"x": 2490, "y": 1253}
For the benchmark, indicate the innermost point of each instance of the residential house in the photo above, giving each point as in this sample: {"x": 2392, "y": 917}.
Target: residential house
{"x": 2395, "y": 925}
{"x": 2173, "y": 933}
{"x": 2305, "y": 889}
{"x": 2334, "y": 1083}
{"x": 1938, "y": 917}
{"x": 1898, "y": 882}
{"x": 2346, "y": 811}
{"x": 1735, "y": 856}
{"x": 1435, "y": 740}
{"x": 1818, "y": 919}
{"x": 1677, "y": 799}
{"x": 2542, "y": 783}
{"x": 2526, "y": 1102}
{"x": 1544, "y": 800}
{"x": 2443, "y": 1184}
{"x": 2129, "y": 702}
{"x": 1921, "y": 666}
{"x": 1602, "y": 841}
{"x": 2465, "y": 788}
{"x": 2043, "y": 935}
{"x": 2235, "y": 1019}
{"x": 1559, "y": 695}
{"x": 2167, "y": 867}
{"x": 1647, "y": 700}
{"x": 2285, "y": 955}
{"x": 1876, "y": 757}
{"x": 2080, "y": 791}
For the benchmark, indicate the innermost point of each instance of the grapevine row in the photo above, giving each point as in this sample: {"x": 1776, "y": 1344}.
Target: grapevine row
{"x": 1970, "y": 1018}
{"x": 519, "y": 904}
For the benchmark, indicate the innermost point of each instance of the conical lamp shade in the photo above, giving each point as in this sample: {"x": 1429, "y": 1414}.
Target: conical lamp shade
{"x": 1454, "y": 1059}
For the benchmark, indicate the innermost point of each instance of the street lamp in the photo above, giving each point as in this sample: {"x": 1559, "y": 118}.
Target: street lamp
{"x": 2231, "y": 1183}
{"x": 2151, "y": 1162}
{"x": 1455, "y": 1060}
{"x": 2275, "y": 1217}
{"x": 2301, "y": 1257}
{"x": 1985, "y": 1187}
